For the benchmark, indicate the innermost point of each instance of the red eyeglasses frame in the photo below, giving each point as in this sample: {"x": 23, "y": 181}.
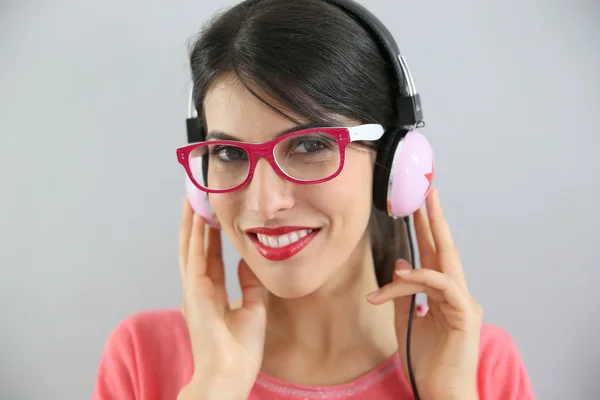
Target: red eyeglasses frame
{"x": 342, "y": 135}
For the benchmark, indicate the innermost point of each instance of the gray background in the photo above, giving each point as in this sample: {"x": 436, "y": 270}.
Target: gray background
{"x": 92, "y": 106}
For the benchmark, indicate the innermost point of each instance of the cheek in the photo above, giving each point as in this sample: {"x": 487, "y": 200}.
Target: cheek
{"x": 226, "y": 208}
{"x": 356, "y": 178}
{"x": 350, "y": 193}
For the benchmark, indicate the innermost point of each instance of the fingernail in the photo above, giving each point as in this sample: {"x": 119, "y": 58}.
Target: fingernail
{"x": 401, "y": 261}
{"x": 403, "y": 267}
{"x": 373, "y": 294}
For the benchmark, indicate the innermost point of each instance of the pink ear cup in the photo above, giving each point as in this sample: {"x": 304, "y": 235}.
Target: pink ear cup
{"x": 411, "y": 175}
{"x": 199, "y": 199}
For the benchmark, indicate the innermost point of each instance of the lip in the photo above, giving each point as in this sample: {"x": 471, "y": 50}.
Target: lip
{"x": 281, "y": 230}
{"x": 280, "y": 253}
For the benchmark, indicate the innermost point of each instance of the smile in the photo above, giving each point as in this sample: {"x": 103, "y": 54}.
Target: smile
{"x": 283, "y": 240}
{"x": 281, "y": 243}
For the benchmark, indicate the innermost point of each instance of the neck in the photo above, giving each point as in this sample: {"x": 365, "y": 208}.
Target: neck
{"x": 331, "y": 327}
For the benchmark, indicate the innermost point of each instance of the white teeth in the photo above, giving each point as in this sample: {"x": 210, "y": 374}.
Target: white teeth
{"x": 283, "y": 240}
{"x": 272, "y": 242}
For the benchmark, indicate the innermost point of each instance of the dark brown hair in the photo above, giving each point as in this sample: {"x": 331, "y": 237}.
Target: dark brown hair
{"x": 310, "y": 57}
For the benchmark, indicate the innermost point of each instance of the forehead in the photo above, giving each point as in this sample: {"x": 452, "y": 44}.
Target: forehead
{"x": 229, "y": 107}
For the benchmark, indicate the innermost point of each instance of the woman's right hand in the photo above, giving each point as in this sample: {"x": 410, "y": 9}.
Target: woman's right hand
{"x": 227, "y": 344}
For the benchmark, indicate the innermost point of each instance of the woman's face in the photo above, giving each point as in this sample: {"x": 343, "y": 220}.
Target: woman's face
{"x": 328, "y": 220}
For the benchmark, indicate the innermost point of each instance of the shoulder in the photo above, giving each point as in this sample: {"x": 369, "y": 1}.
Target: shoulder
{"x": 149, "y": 331}
{"x": 152, "y": 325}
{"x": 501, "y": 370}
{"x": 146, "y": 356}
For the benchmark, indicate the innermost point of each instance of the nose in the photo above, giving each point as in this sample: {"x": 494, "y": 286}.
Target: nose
{"x": 268, "y": 193}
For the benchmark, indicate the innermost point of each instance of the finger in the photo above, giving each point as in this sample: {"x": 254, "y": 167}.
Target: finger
{"x": 427, "y": 252}
{"x": 442, "y": 287}
{"x": 185, "y": 227}
{"x": 196, "y": 264}
{"x": 399, "y": 289}
{"x": 402, "y": 305}
{"x": 253, "y": 291}
{"x": 420, "y": 310}
{"x": 215, "y": 268}
{"x": 199, "y": 306}
{"x": 447, "y": 255}
{"x": 184, "y": 236}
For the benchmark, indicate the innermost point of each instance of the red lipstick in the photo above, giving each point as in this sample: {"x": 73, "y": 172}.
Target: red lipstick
{"x": 280, "y": 253}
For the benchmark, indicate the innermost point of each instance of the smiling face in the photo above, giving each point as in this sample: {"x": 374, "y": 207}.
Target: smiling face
{"x": 295, "y": 237}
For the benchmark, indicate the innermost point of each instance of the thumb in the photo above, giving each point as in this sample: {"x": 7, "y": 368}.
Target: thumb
{"x": 253, "y": 291}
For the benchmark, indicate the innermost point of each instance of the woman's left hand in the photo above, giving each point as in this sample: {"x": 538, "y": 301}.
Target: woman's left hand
{"x": 445, "y": 342}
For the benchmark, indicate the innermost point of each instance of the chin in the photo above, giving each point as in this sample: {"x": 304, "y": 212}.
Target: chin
{"x": 293, "y": 278}
{"x": 292, "y": 285}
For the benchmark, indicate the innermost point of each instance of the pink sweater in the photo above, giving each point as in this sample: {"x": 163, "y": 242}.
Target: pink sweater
{"x": 148, "y": 357}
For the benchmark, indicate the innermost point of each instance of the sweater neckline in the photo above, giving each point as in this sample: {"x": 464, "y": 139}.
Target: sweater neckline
{"x": 359, "y": 384}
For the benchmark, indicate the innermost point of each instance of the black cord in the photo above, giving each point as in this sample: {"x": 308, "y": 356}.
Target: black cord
{"x": 411, "y": 375}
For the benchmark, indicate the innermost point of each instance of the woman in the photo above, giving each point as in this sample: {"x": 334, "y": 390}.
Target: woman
{"x": 326, "y": 278}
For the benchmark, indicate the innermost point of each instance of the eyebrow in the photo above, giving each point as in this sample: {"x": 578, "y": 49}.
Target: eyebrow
{"x": 220, "y": 135}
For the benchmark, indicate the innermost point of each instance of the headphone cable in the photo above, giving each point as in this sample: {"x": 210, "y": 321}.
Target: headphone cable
{"x": 411, "y": 375}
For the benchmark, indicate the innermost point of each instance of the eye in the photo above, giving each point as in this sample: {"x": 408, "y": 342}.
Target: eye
{"x": 229, "y": 153}
{"x": 309, "y": 145}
